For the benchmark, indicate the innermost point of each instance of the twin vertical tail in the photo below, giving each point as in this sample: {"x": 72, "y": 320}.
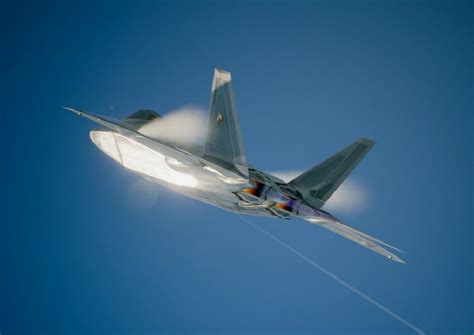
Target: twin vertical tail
{"x": 224, "y": 145}
{"x": 318, "y": 184}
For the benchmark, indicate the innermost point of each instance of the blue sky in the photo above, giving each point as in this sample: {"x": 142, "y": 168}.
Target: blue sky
{"x": 80, "y": 255}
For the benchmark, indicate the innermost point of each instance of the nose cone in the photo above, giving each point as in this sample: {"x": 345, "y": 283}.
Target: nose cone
{"x": 105, "y": 141}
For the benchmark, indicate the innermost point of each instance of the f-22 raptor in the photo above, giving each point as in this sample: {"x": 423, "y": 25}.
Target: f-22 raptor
{"x": 218, "y": 173}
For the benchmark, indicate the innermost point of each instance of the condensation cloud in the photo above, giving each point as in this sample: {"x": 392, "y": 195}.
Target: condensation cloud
{"x": 186, "y": 125}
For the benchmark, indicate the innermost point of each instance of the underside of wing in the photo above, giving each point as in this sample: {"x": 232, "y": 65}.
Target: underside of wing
{"x": 359, "y": 237}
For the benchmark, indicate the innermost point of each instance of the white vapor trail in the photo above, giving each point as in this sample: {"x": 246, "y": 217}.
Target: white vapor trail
{"x": 336, "y": 278}
{"x": 351, "y": 196}
{"x": 186, "y": 125}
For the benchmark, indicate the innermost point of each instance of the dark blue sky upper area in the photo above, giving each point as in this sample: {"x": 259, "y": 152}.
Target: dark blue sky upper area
{"x": 88, "y": 248}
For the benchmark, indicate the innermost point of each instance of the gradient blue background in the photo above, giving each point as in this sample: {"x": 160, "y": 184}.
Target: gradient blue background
{"x": 80, "y": 255}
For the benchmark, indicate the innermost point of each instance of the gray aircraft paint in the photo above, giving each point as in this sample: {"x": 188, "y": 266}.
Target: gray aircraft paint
{"x": 219, "y": 174}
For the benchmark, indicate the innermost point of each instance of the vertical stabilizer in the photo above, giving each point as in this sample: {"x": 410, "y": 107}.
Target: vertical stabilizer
{"x": 224, "y": 144}
{"x": 319, "y": 183}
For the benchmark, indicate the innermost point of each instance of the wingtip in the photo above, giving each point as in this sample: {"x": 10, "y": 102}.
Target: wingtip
{"x": 396, "y": 259}
{"x": 75, "y": 111}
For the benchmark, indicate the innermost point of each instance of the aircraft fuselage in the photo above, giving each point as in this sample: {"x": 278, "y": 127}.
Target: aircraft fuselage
{"x": 193, "y": 176}
{"x": 217, "y": 173}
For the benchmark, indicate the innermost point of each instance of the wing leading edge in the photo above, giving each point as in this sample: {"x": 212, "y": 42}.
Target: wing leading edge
{"x": 358, "y": 237}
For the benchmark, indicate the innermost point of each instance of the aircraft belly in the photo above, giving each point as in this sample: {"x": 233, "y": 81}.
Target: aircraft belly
{"x": 178, "y": 171}
{"x": 173, "y": 169}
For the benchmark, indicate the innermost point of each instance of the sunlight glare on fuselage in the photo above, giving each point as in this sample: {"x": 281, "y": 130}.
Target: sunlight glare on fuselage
{"x": 138, "y": 157}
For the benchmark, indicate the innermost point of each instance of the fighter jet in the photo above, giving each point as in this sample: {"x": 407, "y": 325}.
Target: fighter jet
{"x": 217, "y": 173}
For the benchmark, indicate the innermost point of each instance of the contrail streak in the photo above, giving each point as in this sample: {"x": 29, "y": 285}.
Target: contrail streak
{"x": 333, "y": 276}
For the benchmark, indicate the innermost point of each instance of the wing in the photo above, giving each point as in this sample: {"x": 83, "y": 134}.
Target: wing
{"x": 105, "y": 121}
{"x": 359, "y": 237}
{"x": 224, "y": 142}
